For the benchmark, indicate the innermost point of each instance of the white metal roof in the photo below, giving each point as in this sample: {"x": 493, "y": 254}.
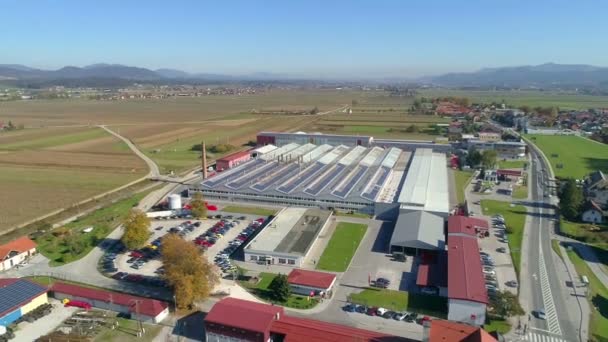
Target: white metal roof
{"x": 316, "y": 153}
{"x": 279, "y": 151}
{"x": 333, "y": 155}
{"x": 273, "y": 234}
{"x": 294, "y": 154}
{"x": 373, "y": 155}
{"x": 389, "y": 191}
{"x": 265, "y": 149}
{"x": 391, "y": 157}
{"x": 419, "y": 229}
{"x": 426, "y": 183}
{"x": 352, "y": 156}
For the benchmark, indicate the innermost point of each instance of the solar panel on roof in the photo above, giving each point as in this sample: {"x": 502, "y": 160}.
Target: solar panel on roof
{"x": 17, "y": 294}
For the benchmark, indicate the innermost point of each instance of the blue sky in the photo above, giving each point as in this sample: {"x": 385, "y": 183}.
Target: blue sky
{"x": 311, "y": 38}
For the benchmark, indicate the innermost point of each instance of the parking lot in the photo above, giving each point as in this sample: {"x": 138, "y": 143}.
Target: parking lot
{"x": 498, "y": 266}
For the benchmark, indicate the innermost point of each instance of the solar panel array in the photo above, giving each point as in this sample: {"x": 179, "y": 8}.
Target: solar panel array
{"x": 343, "y": 174}
{"x": 17, "y": 294}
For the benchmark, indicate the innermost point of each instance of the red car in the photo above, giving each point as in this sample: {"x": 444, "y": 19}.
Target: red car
{"x": 136, "y": 254}
{"x": 260, "y": 220}
{"x": 372, "y": 311}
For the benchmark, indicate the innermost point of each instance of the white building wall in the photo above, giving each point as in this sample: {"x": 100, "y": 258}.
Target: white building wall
{"x": 213, "y": 337}
{"x": 466, "y": 311}
{"x": 254, "y": 256}
{"x": 19, "y": 258}
{"x": 305, "y": 290}
{"x": 592, "y": 216}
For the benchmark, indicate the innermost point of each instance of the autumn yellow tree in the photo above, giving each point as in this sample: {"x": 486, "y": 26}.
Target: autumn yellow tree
{"x": 187, "y": 270}
{"x": 137, "y": 229}
{"x": 199, "y": 208}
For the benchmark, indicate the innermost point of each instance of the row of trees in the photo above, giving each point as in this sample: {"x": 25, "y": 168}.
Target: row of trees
{"x": 487, "y": 159}
{"x": 571, "y": 199}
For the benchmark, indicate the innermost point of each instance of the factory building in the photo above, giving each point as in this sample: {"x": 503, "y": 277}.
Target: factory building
{"x": 280, "y": 139}
{"x": 18, "y": 297}
{"x": 504, "y": 149}
{"x": 232, "y": 160}
{"x": 288, "y": 237}
{"x": 423, "y": 205}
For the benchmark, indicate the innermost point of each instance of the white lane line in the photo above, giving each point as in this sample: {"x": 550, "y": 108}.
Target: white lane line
{"x": 550, "y": 311}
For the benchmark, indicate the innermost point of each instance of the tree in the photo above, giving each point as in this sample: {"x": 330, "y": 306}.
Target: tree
{"x": 505, "y": 304}
{"x": 137, "y": 229}
{"x": 570, "y": 199}
{"x": 488, "y": 158}
{"x": 412, "y": 129}
{"x": 187, "y": 270}
{"x": 199, "y": 208}
{"x": 314, "y": 110}
{"x": 474, "y": 157}
{"x": 279, "y": 288}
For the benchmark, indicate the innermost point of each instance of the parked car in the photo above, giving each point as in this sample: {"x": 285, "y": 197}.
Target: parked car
{"x": 349, "y": 307}
{"x": 361, "y": 309}
{"x": 501, "y": 250}
{"x": 389, "y": 314}
{"x": 381, "y": 311}
{"x": 429, "y": 291}
{"x": 511, "y": 283}
{"x": 372, "y": 311}
{"x": 400, "y": 316}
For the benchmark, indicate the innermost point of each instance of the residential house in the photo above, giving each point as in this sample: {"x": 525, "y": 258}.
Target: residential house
{"x": 15, "y": 252}
{"x": 593, "y": 213}
{"x": 596, "y": 188}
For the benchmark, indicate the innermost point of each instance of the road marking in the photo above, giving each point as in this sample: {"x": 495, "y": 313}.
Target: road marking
{"x": 545, "y": 286}
{"x": 542, "y": 338}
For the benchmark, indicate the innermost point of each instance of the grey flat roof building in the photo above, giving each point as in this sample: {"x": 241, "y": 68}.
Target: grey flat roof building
{"x": 418, "y": 230}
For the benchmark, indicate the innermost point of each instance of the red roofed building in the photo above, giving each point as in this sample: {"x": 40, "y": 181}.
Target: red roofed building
{"x": 232, "y": 160}
{"x": 465, "y": 226}
{"x": 304, "y": 282}
{"x": 467, "y": 294}
{"x": 451, "y": 109}
{"x": 234, "y": 319}
{"x": 144, "y": 309}
{"x": 16, "y": 252}
{"x": 446, "y": 331}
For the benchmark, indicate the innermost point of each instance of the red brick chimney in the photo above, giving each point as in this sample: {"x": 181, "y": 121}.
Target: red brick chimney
{"x": 204, "y": 161}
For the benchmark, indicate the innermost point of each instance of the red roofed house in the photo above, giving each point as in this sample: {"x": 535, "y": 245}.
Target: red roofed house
{"x": 467, "y": 294}
{"x": 16, "y": 252}
{"x": 446, "y": 331}
{"x": 141, "y": 308}
{"x": 234, "y": 319}
{"x": 304, "y": 282}
{"x": 232, "y": 160}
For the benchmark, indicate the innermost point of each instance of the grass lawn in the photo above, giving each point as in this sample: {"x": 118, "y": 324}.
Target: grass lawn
{"x": 556, "y": 249}
{"x": 462, "y": 180}
{"x": 598, "y": 325}
{"x": 512, "y": 164}
{"x": 74, "y": 244}
{"x": 515, "y": 218}
{"x": 126, "y": 332}
{"x": 401, "y": 301}
{"x": 499, "y": 325}
{"x": 249, "y": 210}
{"x": 261, "y": 290}
{"x": 342, "y": 246}
{"x": 578, "y": 156}
{"x": 520, "y": 192}
{"x": 56, "y": 140}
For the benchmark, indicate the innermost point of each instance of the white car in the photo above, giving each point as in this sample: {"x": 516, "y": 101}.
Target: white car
{"x": 381, "y": 311}
{"x": 540, "y": 314}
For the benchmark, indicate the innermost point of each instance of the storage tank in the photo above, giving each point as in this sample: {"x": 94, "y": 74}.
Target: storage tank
{"x": 175, "y": 202}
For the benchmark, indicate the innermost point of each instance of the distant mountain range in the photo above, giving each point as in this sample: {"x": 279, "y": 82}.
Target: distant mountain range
{"x": 544, "y": 75}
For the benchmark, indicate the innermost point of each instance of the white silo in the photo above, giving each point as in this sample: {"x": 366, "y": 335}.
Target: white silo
{"x": 175, "y": 202}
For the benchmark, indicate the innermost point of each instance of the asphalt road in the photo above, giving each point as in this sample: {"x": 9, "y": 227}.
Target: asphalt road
{"x": 544, "y": 286}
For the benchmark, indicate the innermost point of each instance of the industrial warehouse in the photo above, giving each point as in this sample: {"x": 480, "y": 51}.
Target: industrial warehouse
{"x": 322, "y": 176}
{"x": 288, "y": 237}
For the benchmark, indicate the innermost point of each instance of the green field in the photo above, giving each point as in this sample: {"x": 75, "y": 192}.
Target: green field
{"x": 401, "y": 301}
{"x": 520, "y": 192}
{"x": 515, "y": 218}
{"x": 56, "y": 140}
{"x": 341, "y": 247}
{"x": 579, "y": 156}
{"x": 74, "y": 243}
{"x": 261, "y": 290}
{"x": 512, "y": 164}
{"x": 462, "y": 180}
{"x": 598, "y": 298}
{"x": 498, "y": 325}
{"x": 249, "y": 210}
{"x": 563, "y": 100}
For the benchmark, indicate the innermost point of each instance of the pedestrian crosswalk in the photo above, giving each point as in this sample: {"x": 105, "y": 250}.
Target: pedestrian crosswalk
{"x": 545, "y": 286}
{"x": 537, "y": 337}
